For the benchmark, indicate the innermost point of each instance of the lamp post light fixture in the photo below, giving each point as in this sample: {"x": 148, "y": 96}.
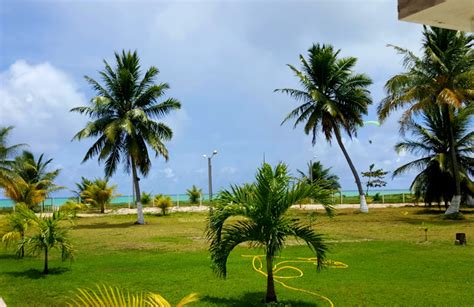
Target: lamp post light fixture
{"x": 209, "y": 171}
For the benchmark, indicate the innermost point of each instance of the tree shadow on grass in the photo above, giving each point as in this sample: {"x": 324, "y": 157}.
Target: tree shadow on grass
{"x": 250, "y": 299}
{"x": 9, "y": 256}
{"x": 38, "y": 274}
{"x": 104, "y": 226}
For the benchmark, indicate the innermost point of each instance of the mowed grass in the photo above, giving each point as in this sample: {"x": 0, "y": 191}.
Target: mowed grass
{"x": 388, "y": 262}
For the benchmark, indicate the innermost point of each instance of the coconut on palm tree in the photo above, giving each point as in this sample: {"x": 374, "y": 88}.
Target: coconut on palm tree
{"x": 333, "y": 100}
{"x": 443, "y": 76}
{"x": 436, "y": 182}
{"x": 32, "y": 182}
{"x": 124, "y": 118}
{"x": 257, "y": 214}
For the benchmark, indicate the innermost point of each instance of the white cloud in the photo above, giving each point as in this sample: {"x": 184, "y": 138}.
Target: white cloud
{"x": 168, "y": 172}
{"x": 36, "y": 100}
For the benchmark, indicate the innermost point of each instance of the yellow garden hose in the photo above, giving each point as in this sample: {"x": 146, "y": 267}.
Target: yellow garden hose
{"x": 257, "y": 264}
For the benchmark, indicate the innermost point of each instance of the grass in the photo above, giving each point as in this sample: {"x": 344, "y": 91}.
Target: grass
{"x": 389, "y": 262}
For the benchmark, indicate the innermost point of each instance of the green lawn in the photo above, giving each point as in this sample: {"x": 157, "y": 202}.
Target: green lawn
{"x": 388, "y": 262}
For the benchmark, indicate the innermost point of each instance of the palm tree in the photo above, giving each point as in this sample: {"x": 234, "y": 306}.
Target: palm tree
{"x": 6, "y": 154}
{"x": 317, "y": 173}
{"x": 50, "y": 234}
{"x": 123, "y": 119}
{"x": 82, "y": 186}
{"x": 194, "y": 194}
{"x": 261, "y": 208}
{"x": 333, "y": 97}
{"x": 99, "y": 194}
{"x": 436, "y": 182}
{"x": 18, "y": 224}
{"x": 442, "y": 76}
{"x": 109, "y": 296}
{"x": 32, "y": 183}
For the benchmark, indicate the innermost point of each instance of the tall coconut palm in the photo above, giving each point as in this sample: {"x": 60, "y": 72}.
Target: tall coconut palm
{"x": 49, "y": 234}
{"x": 436, "y": 182}
{"x": 99, "y": 193}
{"x": 318, "y": 173}
{"x": 123, "y": 119}
{"x": 444, "y": 76}
{"x": 261, "y": 209}
{"x": 333, "y": 98}
{"x": 32, "y": 182}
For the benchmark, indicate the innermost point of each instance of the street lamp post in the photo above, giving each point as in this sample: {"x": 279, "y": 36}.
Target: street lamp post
{"x": 209, "y": 171}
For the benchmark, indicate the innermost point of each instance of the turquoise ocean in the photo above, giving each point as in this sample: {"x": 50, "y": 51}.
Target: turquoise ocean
{"x": 58, "y": 201}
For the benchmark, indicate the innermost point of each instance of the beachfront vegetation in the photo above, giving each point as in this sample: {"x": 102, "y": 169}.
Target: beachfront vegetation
{"x": 146, "y": 199}
{"x": 99, "y": 194}
{"x": 194, "y": 194}
{"x": 323, "y": 176}
{"x": 18, "y": 225}
{"x": 164, "y": 203}
{"x": 263, "y": 206}
{"x": 442, "y": 76}
{"x": 48, "y": 234}
{"x": 334, "y": 98}
{"x": 435, "y": 182}
{"x": 124, "y": 118}
{"x": 31, "y": 182}
{"x": 375, "y": 178}
{"x": 170, "y": 257}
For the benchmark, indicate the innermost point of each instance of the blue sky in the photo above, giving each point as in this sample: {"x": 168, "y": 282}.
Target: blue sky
{"x": 222, "y": 59}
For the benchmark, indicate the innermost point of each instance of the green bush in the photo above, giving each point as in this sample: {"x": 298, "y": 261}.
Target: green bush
{"x": 72, "y": 207}
{"x": 163, "y": 202}
{"x": 146, "y": 199}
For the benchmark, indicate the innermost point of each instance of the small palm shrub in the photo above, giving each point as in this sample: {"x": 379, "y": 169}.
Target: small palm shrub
{"x": 72, "y": 207}
{"x": 146, "y": 199}
{"x": 99, "y": 194}
{"x": 164, "y": 203}
{"x": 49, "y": 233}
{"x": 194, "y": 194}
{"x": 18, "y": 226}
{"x": 108, "y": 296}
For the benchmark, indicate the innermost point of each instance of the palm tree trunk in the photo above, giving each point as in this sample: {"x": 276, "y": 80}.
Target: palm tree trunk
{"x": 22, "y": 249}
{"x": 271, "y": 295}
{"x": 45, "y": 270}
{"x": 456, "y": 201}
{"x": 102, "y": 208}
{"x": 136, "y": 185}
{"x": 363, "y": 202}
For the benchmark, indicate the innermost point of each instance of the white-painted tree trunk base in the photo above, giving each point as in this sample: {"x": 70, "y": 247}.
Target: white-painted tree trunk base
{"x": 140, "y": 219}
{"x": 454, "y": 206}
{"x": 2, "y": 303}
{"x": 363, "y": 204}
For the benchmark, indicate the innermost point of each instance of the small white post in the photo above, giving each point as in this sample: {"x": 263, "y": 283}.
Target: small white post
{"x": 177, "y": 200}
{"x": 200, "y": 199}
{"x": 403, "y": 195}
{"x": 340, "y": 192}
{"x": 383, "y": 199}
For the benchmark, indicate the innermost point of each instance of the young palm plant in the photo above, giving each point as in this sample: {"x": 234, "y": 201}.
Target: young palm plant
{"x": 49, "y": 234}
{"x": 318, "y": 173}
{"x": 18, "y": 224}
{"x": 124, "y": 118}
{"x": 261, "y": 208}
{"x": 99, "y": 194}
{"x": 333, "y": 98}
{"x": 442, "y": 76}
{"x": 194, "y": 194}
{"x": 436, "y": 182}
